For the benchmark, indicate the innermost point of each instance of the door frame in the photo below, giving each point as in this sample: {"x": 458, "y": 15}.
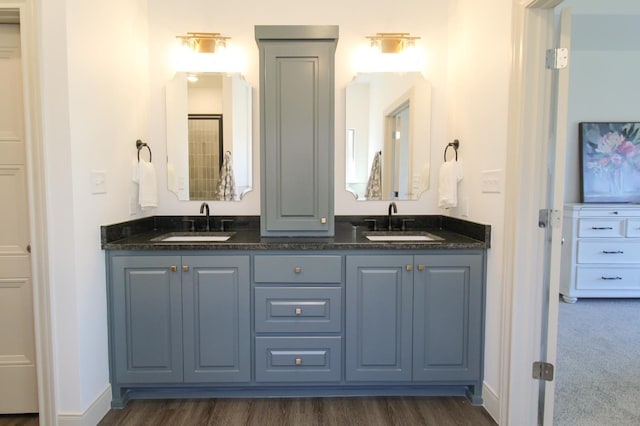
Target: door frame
{"x": 30, "y": 53}
{"x": 530, "y": 107}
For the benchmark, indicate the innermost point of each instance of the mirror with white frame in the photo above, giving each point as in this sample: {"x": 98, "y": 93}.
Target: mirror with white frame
{"x": 388, "y": 126}
{"x": 209, "y": 136}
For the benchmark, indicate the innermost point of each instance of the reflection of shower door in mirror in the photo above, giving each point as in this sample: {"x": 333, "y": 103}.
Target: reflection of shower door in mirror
{"x": 205, "y": 155}
{"x": 397, "y": 182}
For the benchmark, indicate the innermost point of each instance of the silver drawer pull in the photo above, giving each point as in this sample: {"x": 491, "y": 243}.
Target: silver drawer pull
{"x": 611, "y": 278}
{"x": 612, "y": 252}
{"x": 600, "y": 228}
{"x": 298, "y": 311}
{"x": 297, "y": 269}
{"x": 298, "y": 361}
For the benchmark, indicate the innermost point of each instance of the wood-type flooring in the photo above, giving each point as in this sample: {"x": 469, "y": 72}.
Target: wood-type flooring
{"x": 353, "y": 411}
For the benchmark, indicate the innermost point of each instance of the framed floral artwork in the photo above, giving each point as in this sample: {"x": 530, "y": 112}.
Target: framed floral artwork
{"x": 610, "y": 162}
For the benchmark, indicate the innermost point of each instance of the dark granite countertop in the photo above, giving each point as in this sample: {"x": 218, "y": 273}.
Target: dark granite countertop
{"x": 350, "y": 232}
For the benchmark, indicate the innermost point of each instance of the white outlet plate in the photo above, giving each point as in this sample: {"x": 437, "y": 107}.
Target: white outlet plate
{"x": 492, "y": 181}
{"x": 98, "y": 182}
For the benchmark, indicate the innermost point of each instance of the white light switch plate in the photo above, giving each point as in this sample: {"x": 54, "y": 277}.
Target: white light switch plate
{"x": 98, "y": 182}
{"x": 492, "y": 181}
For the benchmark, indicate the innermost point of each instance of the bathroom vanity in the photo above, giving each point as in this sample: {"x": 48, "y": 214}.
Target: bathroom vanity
{"x": 266, "y": 317}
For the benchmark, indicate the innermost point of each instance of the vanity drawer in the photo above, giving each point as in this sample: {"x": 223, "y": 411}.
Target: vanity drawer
{"x": 608, "y": 278}
{"x": 610, "y": 228}
{"x": 608, "y": 251}
{"x": 298, "y": 269}
{"x": 298, "y": 359}
{"x": 298, "y": 309}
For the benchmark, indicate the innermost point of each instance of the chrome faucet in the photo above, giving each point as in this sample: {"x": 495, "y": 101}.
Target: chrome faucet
{"x": 392, "y": 209}
{"x": 204, "y": 208}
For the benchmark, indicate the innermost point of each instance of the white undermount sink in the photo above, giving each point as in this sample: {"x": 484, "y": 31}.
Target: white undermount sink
{"x": 194, "y": 237}
{"x": 391, "y": 236}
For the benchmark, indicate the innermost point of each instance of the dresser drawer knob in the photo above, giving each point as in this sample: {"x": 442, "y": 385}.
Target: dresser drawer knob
{"x": 185, "y": 268}
{"x": 409, "y": 268}
{"x": 611, "y": 278}
{"x": 420, "y": 267}
{"x": 298, "y": 311}
{"x": 173, "y": 268}
{"x": 298, "y": 361}
{"x": 612, "y": 252}
{"x": 297, "y": 270}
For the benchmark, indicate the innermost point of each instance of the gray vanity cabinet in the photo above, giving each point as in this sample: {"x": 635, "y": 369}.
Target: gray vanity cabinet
{"x": 297, "y": 129}
{"x": 448, "y": 303}
{"x": 216, "y": 319}
{"x": 416, "y": 318}
{"x": 379, "y": 318}
{"x": 146, "y": 319}
{"x": 179, "y": 319}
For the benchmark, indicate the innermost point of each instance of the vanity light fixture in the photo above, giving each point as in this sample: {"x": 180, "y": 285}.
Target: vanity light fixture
{"x": 392, "y": 42}
{"x": 204, "y": 42}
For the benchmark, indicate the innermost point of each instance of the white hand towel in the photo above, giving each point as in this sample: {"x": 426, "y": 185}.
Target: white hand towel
{"x": 148, "y": 186}
{"x": 450, "y": 175}
{"x": 135, "y": 170}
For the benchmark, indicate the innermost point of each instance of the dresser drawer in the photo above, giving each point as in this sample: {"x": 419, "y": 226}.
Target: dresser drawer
{"x": 610, "y": 212}
{"x": 610, "y": 228}
{"x": 298, "y": 359}
{"x": 608, "y": 251}
{"x": 633, "y": 228}
{"x": 298, "y": 269}
{"x": 298, "y": 309}
{"x": 608, "y": 278}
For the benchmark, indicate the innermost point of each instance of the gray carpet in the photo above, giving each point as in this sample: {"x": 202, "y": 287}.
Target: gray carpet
{"x": 598, "y": 364}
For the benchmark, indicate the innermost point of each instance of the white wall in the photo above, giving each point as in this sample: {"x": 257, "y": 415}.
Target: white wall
{"x": 478, "y": 87}
{"x": 604, "y": 63}
{"x": 95, "y": 97}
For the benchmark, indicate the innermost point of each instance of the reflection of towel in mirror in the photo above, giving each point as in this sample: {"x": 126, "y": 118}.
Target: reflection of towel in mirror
{"x": 227, "y": 185}
{"x": 450, "y": 175}
{"x": 148, "y": 187}
{"x": 373, "y": 191}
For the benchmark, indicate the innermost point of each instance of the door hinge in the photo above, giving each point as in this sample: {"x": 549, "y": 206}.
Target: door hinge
{"x": 543, "y": 371}
{"x": 548, "y": 217}
{"x": 557, "y": 58}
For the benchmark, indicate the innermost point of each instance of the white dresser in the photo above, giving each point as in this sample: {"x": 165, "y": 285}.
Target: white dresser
{"x": 600, "y": 251}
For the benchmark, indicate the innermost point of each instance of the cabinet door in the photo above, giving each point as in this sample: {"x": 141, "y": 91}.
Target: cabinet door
{"x": 448, "y": 317}
{"x": 378, "y": 315}
{"x": 297, "y": 133}
{"x": 216, "y": 318}
{"x": 146, "y": 319}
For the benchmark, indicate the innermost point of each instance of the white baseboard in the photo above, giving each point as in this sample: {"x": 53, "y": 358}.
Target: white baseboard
{"x": 92, "y": 415}
{"x": 491, "y": 402}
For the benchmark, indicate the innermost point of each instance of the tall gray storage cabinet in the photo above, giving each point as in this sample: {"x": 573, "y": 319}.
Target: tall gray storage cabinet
{"x": 296, "y": 129}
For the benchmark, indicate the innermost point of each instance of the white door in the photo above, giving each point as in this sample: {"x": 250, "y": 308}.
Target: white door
{"x": 555, "y": 200}
{"x": 18, "y": 384}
